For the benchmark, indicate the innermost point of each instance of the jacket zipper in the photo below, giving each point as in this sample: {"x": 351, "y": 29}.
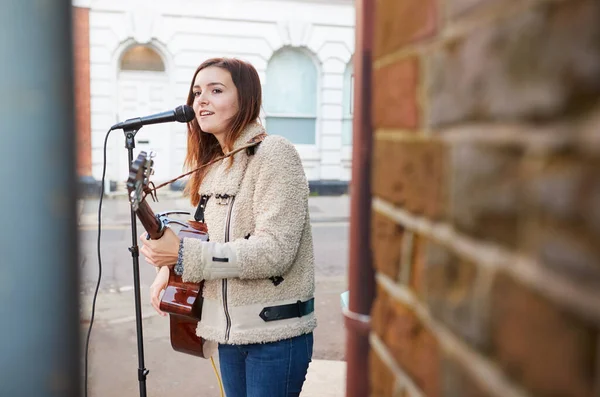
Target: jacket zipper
{"x": 227, "y": 231}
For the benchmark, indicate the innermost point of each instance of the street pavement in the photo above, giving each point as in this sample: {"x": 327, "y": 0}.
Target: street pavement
{"x": 113, "y": 352}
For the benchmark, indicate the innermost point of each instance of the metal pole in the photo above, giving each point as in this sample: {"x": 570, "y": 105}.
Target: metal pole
{"x": 135, "y": 254}
{"x": 39, "y": 331}
{"x": 361, "y": 275}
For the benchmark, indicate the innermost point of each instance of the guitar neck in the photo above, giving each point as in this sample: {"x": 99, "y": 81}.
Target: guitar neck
{"x": 149, "y": 220}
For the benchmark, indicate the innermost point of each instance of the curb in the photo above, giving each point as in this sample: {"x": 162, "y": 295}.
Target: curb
{"x": 333, "y": 219}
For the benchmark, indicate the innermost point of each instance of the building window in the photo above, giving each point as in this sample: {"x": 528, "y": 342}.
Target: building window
{"x": 291, "y": 96}
{"x": 348, "y": 105}
{"x": 143, "y": 58}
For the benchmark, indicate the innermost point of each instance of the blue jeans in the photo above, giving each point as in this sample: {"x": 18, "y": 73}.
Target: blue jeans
{"x": 275, "y": 369}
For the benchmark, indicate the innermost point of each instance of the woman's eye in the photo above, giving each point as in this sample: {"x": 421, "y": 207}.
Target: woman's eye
{"x": 196, "y": 94}
{"x": 217, "y": 91}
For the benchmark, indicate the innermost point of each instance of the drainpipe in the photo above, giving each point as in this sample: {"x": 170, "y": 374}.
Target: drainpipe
{"x": 361, "y": 275}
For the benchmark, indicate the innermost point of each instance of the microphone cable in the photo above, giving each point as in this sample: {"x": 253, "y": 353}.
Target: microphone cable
{"x": 87, "y": 342}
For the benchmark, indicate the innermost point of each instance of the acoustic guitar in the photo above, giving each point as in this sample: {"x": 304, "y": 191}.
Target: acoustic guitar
{"x": 182, "y": 301}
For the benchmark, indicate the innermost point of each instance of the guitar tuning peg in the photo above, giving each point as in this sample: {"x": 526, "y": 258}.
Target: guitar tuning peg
{"x": 134, "y": 201}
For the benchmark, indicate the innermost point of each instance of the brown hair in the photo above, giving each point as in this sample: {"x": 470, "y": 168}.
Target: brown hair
{"x": 203, "y": 147}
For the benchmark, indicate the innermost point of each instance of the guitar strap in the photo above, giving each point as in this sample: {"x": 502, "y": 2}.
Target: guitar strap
{"x": 199, "y": 215}
{"x": 250, "y": 147}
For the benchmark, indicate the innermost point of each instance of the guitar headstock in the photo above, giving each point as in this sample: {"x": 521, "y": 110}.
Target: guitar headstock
{"x": 139, "y": 177}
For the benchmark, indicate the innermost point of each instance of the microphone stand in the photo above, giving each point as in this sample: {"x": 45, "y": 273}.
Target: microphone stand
{"x": 135, "y": 253}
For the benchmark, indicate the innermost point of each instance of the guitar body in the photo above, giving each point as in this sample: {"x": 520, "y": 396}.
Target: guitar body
{"x": 183, "y": 302}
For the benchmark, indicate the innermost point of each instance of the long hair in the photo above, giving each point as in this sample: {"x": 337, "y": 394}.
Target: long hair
{"x": 203, "y": 147}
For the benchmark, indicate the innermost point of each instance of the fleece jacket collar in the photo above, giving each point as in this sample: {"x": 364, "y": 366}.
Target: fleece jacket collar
{"x": 225, "y": 176}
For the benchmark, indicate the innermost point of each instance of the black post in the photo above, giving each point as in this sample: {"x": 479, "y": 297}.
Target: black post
{"x": 39, "y": 286}
{"x": 135, "y": 253}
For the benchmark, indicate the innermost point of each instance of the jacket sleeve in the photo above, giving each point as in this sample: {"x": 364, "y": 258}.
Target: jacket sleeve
{"x": 280, "y": 206}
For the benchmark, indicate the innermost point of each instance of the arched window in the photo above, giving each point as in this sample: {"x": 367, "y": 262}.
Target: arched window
{"x": 348, "y": 104}
{"x": 140, "y": 57}
{"x": 291, "y": 96}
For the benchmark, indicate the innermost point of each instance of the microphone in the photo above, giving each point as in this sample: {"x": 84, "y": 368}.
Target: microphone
{"x": 182, "y": 114}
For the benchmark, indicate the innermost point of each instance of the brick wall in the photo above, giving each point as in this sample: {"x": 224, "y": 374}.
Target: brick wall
{"x": 81, "y": 50}
{"x": 486, "y": 198}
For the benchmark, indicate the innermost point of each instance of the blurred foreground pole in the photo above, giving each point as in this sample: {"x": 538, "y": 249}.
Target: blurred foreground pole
{"x": 361, "y": 275}
{"x": 39, "y": 337}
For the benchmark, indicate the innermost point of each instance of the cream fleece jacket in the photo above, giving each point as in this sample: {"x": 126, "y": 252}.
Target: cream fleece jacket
{"x": 259, "y": 228}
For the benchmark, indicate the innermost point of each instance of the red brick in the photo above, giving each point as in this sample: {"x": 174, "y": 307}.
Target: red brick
{"x": 395, "y": 95}
{"x": 412, "y": 175}
{"x": 386, "y": 242}
{"x": 382, "y": 379}
{"x": 415, "y": 348}
{"x": 401, "y": 22}
{"x": 456, "y": 8}
{"x": 562, "y": 199}
{"x": 81, "y": 80}
{"x": 381, "y": 312}
{"x": 386, "y": 179}
{"x": 565, "y": 248}
{"x": 539, "y": 64}
{"x": 402, "y": 393}
{"x": 417, "y": 282}
{"x": 486, "y": 190}
{"x": 548, "y": 350}
{"x": 459, "y": 382}
{"x": 449, "y": 291}
{"x": 427, "y": 188}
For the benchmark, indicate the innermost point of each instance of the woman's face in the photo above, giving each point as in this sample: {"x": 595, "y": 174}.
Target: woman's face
{"x": 215, "y": 100}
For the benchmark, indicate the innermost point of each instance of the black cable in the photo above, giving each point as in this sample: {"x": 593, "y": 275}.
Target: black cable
{"x": 87, "y": 343}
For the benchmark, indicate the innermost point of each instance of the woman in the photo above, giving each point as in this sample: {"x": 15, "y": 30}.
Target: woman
{"x": 258, "y": 266}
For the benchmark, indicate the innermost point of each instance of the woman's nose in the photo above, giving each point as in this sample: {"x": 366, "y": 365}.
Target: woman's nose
{"x": 202, "y": 99}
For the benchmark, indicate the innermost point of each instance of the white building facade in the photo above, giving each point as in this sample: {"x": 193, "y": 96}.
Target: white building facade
{"x": 143, "y": 54}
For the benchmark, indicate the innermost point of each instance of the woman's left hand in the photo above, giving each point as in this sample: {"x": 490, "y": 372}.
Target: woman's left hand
{"x": 161, "y": 252}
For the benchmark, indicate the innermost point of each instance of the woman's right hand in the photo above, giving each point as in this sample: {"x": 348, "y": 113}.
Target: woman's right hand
{"x": 159, "y": 285}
